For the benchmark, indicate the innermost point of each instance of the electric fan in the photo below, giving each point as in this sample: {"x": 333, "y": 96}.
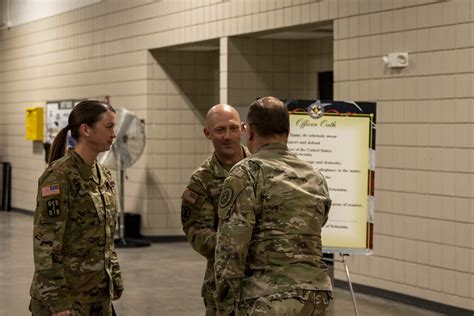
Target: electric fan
{"x": 125, "y": 151}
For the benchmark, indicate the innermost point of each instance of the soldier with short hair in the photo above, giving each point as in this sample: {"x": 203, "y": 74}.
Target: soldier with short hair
{"x": 201, "y": 197}
{"x": 271, "y": 210}
{"x": 76, "y": 267}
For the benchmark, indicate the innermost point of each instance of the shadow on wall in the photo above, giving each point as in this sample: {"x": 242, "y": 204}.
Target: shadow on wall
{"x": 155, "y": 216}
{"x": 285, "y": 68}
{"x": 192, "y": 78}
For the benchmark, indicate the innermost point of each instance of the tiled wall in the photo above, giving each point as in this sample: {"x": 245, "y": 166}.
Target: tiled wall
{"x": 62, "y": 57}
{"x": 424, "y": 223}
{"x": 424, "y": 210}
{"x": 183, "y": 86}
{"x": 282, "y": 68}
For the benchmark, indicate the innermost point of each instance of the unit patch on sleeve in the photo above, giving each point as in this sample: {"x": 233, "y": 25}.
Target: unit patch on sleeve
{"x": 52, "y": 207}
{"x": 50, "y": 190}
{"x": 185, "y": 213}
{"x": 225, "y": 198}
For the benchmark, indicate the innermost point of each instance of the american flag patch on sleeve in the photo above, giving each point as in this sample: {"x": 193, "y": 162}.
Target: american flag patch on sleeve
{"x": 49, "y": 190}
{"x": 189, "y": 196}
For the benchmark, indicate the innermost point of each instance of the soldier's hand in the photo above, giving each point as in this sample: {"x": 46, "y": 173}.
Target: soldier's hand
{"x": 63, "y": 313}
{"x": 222, "y": 313}
{"x": 117, "y": 294}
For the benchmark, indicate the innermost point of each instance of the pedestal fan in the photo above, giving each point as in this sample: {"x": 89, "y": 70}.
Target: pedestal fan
{"x": 125, "y": 151}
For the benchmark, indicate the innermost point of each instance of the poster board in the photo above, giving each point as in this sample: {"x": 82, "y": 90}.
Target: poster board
{"x": 57, "y": 113}
{"x": 338, "y": 138}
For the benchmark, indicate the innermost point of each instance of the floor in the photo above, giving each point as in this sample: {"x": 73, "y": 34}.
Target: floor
{"x": 162, "y": 280}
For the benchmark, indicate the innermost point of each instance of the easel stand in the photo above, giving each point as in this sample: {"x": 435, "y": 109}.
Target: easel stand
{"x": 346, "y": 268}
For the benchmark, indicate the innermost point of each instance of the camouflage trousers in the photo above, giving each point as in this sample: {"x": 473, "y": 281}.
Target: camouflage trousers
{"x": 211, "y": 309}
{"x": 37, "y": 308}
{"x": 295, "y": 303}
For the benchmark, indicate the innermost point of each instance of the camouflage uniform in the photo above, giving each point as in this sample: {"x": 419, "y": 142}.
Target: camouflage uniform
{"x": 268, "y": 253}
{"x": 76, "y": 266}
{"x": 199, "y": 218}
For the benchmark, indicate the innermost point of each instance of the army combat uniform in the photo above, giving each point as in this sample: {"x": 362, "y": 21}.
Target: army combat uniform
{"x": 199, "y": 218}
{"x": 76, "y": 266}
{"x": 268, "y": 254}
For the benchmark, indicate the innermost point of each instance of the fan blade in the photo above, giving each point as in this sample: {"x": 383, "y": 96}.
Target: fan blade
{"x": 129, "y": 143}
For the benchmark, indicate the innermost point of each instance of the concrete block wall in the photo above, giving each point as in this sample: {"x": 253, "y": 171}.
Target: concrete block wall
{"x": 282, "y": 68}
{"x": 183, "y": 86}
{"x": 424, "y": 220}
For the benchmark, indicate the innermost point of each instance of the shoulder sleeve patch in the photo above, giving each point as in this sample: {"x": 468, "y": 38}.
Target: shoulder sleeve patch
{"x": 185, "y": 214}
{"x": 226, "y": 197}
{"x": 52, "y": 208}
{"x": 233, "y": 186}
{"x": 50, "y": 190}
{"x": 190, "y": 196}
{"x": 52, "y": 198}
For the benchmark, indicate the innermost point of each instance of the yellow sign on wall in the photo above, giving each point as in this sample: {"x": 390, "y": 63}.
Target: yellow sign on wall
{"x": 34, "y": 123}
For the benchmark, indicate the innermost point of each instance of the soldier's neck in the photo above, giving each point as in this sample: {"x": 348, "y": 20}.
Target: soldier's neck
{"x": 260, "y": 141}
{"x": 86, "y": 154}
{"x": 231, "y": 160}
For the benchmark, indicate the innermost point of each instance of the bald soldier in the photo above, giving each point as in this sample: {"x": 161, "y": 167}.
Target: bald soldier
{"x": 200, "y": 199}
{"x": 268, "y": 255}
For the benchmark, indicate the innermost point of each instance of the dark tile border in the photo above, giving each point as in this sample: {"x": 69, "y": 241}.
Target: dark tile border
{"x": 166, "y": 239}
{"x": 22, "y": 211}
{"x": 407, "y": 299}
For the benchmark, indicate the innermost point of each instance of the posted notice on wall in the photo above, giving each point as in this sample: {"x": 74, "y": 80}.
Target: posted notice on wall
{"x": 338, "y": 147}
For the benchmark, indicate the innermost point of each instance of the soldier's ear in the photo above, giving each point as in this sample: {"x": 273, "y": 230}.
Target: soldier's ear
{"x": 250, "y": 132}
{"x": 84, "y": 130}
{"x": 206, "y": 133}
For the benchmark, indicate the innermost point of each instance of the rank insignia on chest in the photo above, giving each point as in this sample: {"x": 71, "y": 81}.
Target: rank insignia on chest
{"x": 50, "y": 190}
{"x": 52, "y": 207}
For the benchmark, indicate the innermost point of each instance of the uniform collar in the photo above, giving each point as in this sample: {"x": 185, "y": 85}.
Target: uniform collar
{"x": 275, "y": 145}
{"x": 217, "y": 167}
{"x": 86, "y": 171}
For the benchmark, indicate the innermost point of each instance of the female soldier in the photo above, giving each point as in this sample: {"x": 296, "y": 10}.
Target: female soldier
{"x": 76, "y": 267}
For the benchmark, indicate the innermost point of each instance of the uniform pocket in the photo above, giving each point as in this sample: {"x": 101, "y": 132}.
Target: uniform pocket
{"x": 87, "y": 283}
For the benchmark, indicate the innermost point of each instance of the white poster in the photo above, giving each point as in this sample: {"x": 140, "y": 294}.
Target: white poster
{"x": 339, "y": 147}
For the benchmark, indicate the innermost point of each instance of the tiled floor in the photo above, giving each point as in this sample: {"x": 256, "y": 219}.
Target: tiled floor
{"x": 162, "y": 280}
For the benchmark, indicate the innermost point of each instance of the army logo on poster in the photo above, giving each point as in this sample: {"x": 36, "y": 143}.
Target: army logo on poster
{"x": 185, "y": 213}
{"x": 53, "y": 208}
{"x": 226, "y": 196}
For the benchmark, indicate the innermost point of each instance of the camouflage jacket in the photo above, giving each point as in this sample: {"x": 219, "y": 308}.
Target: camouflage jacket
{"x": 199, "y": 214}
{"x": 73, "y": 237}
{"x": 271, "y": 211}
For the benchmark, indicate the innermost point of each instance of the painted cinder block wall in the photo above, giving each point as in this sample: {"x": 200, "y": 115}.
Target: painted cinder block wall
{"x": 424, "y": 232}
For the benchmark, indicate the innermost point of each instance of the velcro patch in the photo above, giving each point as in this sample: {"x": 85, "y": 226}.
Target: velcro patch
{"x": 50, "y": 190}
{"x": 185, "y": 213}
{"x": 226, "y": 197}
{"x": 190, "y": 196}
{"x": 52, "y": 207}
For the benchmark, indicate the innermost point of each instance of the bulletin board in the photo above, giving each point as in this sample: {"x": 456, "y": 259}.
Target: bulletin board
{"x": 338, "y": 138}
{"x": 57, "y": 113}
